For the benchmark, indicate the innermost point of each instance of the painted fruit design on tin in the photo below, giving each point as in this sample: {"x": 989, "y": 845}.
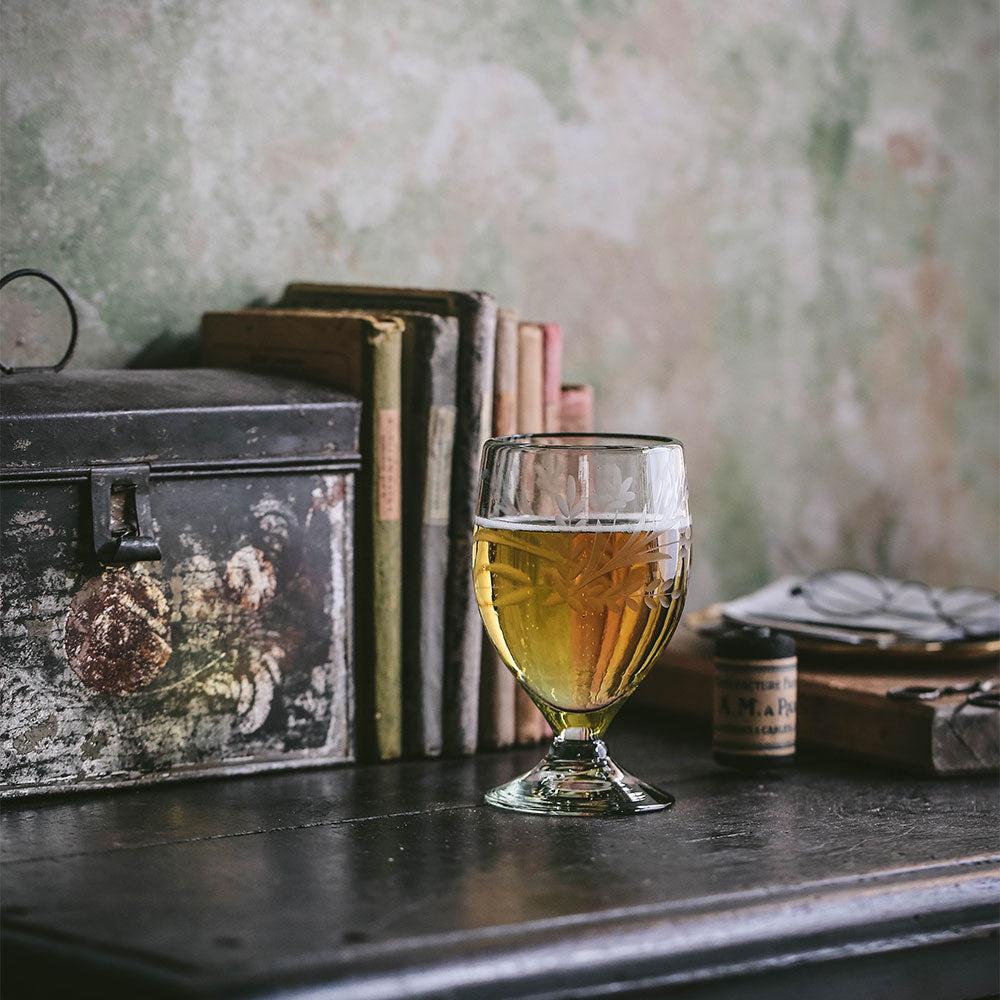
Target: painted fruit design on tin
{"x": 118, "y": 631}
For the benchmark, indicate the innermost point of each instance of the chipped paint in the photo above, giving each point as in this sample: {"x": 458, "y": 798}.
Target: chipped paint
{"x": 32, "y": 736}
{"x": 233, "y": 649}
{"x": 249, "y": 578}
{"x": 257, "y": 686}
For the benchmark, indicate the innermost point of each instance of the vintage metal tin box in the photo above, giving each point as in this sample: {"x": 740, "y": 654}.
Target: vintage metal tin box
{"x": 176, "y": 575}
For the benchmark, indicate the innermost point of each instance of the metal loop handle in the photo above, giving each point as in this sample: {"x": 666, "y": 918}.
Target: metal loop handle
{"x": 25, "y": 272}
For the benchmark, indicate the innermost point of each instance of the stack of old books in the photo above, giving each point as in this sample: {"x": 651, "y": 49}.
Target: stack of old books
{"x": 438, "y": 372}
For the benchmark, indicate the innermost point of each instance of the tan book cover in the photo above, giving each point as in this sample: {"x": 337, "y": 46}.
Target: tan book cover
{"x": 361, "y": 354}
{"x": 552, "y": 347}
{"x": 505, "y": 374}
{"x": 530, "y": 392}
{"x": 498, "y": 688}
{"x": 530, "y": 725}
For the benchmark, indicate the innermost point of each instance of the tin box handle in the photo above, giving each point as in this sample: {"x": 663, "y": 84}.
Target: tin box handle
{"x": 32, "y": 272}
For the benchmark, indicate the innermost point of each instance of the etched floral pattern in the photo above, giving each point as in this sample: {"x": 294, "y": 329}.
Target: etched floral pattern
{"x": 588, "y": 571}
{"x": 606, "y": 496}
{"x": 617, "y": 494}
{"x": 631, "y": 520}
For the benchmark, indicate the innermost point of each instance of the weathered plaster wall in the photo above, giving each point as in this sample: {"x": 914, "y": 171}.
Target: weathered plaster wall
{"x": 768, "y": 227}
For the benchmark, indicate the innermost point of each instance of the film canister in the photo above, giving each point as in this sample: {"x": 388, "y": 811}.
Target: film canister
{"x": 755, "y": 691}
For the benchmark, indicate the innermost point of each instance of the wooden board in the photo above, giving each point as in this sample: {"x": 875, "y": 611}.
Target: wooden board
{"x": 843, "y": 705}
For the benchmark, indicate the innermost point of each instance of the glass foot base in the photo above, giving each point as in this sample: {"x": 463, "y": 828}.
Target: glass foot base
{"x": 578, "y": 778}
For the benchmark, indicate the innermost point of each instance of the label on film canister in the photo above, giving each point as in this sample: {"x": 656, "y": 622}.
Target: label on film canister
{"x": 755, "y": 693}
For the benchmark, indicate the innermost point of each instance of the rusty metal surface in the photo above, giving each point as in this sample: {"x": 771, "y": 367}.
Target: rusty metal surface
{"x": 230, "y": 652}
{"x": 182, "y": 419}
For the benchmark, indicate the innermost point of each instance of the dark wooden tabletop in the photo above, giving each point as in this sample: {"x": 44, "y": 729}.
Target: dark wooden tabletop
{"x": 394, "y": 881}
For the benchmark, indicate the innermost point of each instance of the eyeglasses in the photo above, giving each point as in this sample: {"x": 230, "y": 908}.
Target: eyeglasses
{"x": 848, "y": 593}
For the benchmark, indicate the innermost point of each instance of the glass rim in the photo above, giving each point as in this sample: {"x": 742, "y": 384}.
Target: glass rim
{"x": 573, "y": 439}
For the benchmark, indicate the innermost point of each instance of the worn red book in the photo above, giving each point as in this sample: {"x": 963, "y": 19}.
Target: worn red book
{"x": 576, "y": 408}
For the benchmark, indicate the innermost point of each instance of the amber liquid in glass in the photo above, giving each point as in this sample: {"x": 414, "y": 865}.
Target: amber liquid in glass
{"x": 579, "y": 612}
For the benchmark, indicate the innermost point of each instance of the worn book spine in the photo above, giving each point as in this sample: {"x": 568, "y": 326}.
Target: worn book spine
{"x": 385, "y": 344}
{"x": 498, "y": 688}
{"x": 576, "y": 408}
{"x": 530, "y": 725}
{"x": 530, "y": 393}
{"x": 552, "y": 347}
{"x": 361, "y": 354}
{"x": 477, "y": 317}
{"x": 476, "y": 314}
{"x": 430, "y": 359}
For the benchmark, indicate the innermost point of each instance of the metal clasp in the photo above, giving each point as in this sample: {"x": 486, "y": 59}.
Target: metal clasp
{"x": 121, "y": 515}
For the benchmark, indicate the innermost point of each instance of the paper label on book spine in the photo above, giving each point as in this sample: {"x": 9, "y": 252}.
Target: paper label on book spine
{"x": 440, "y": 438}
{"x": 389, "y": 506}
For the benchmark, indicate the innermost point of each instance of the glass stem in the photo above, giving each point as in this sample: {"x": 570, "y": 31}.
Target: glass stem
{"x": 577, "y": 744}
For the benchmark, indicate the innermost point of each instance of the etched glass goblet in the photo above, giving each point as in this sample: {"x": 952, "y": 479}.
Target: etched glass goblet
{"x": 581, "y": 553}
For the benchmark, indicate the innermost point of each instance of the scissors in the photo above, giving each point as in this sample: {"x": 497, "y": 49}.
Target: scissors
{"x": 984, "y": 694}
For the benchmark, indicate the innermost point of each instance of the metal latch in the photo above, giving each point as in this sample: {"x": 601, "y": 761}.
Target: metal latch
{"x": 122, "y": 519}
